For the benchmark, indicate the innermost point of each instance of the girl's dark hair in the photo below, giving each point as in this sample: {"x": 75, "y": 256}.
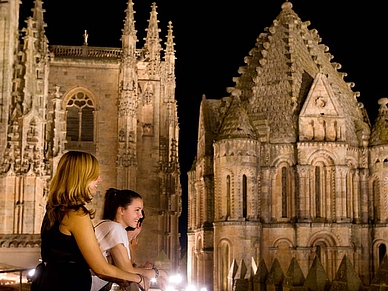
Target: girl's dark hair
{"x": 115, "y": 198}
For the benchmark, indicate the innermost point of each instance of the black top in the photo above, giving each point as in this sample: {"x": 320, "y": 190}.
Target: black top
{"x": 66, "y": 268}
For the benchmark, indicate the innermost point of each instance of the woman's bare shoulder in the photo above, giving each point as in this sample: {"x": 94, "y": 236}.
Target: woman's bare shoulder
{"x": 76, "y": 216}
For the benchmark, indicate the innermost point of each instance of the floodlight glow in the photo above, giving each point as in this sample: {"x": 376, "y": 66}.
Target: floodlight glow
{"x": 175, "y": 279}
{"x": 31, "y": 272}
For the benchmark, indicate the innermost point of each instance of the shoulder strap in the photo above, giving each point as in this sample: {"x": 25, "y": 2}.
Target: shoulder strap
{"x": 102, "y": 221}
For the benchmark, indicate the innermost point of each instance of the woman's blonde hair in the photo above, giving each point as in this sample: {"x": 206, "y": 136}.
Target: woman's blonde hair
{"x": 69, "y": 185}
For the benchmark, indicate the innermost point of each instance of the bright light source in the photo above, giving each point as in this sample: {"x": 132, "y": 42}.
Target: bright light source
{"x": 153, "y": 280}
{"x": 175, "y": 279}
{"x": 31, "y": 272}
{"x": 191, "y": 288}
{"x": 170, "y": 288}
{"x": 203, "y": 289}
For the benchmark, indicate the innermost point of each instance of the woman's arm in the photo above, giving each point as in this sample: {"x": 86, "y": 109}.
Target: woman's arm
{"x": 80, "y": 226}
{"x": 121, "y": 259}
{"x": 120, "y": 256}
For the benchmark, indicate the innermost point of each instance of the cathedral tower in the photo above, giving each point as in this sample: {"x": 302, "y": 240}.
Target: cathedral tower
{"x": 295, "y": 172}
{"x": 116, "y": 103}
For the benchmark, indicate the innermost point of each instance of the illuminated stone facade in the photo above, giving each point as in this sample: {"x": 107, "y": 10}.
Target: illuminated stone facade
{"x": 288, "y": 165}
{"x": 116, "y": 103}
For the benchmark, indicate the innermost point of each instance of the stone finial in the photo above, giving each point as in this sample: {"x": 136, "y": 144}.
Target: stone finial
{"x": 286, "y": 5}
{"x": 86, "y": 35}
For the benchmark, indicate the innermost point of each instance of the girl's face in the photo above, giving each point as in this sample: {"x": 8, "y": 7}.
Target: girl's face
{"x": 93, "y": 186}
{"x": 130, "y": 216}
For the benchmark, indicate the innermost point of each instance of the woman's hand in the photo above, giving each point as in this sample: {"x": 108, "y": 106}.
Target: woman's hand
{"x": 148, "y": 265}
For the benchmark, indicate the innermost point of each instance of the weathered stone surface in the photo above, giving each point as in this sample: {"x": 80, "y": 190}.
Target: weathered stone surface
{"x": 290, "y": 167}
{"x": 116, "y": 103}
{"x": 346, "y": 278}
{"x": 317, "y": 278}
{"x": 294, "y": 276}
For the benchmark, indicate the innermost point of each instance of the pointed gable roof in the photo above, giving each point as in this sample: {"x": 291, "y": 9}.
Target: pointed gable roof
{"x": 279, "y": 72}
{"x": 236, "y": 123}
{"x": 320, "y": 99}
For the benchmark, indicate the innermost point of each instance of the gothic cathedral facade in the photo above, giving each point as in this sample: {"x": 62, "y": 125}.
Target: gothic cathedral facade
{"x": 116, "y": 103}
{"x": 288, "y": 165}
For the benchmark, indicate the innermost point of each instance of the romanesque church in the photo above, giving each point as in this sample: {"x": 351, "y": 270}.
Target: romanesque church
{"x": 288, "y": 167}
{"x": 116, "y": 103}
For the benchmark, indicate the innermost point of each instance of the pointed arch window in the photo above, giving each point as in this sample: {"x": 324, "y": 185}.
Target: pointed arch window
{"x": 80, "y": 118}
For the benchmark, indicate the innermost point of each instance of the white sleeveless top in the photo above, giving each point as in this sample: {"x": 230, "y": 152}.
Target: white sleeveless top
{"x": 109, "y": 234}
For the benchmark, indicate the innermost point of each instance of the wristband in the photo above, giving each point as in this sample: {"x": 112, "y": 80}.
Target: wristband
{"x": 156, "y": 271}
{"x": 141, "y": 279}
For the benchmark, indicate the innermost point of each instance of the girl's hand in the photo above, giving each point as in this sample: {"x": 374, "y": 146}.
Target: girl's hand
{"x": 148, "y": 265}
{"x": 144, "y": 285}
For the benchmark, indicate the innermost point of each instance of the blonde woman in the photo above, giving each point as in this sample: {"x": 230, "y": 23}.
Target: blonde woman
{"x": 69, "y": 247}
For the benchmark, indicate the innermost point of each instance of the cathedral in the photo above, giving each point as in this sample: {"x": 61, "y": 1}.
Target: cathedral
{"x": 117, "y": 103}
{"x": 288, "y": 166}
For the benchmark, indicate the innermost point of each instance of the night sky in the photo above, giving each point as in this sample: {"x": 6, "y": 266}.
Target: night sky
{"x": 212, "y": 38}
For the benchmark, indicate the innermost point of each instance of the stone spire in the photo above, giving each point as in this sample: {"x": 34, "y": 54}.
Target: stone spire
{"x": 169, "y": 55}
{"x": 129, "y": 32}
{"x": 152, "y": 41}
{"x": 36, "y": 53}
{"x": 26, "y": 145}
{"x": 128, "y": 104}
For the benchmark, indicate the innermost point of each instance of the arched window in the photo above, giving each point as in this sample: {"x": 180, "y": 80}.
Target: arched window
{"x": 382, "y": 252}
{"x": 244, "y": 196}
{"x": 318, "y": 193}
{"x": 284, "y": 191}
{"x": 376, "y": 203}
{"x": 224, "y": 262}
{"x": 228, "y": 196}
{"x": 80, "y": 118}
{"x": 319, "y": 253}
